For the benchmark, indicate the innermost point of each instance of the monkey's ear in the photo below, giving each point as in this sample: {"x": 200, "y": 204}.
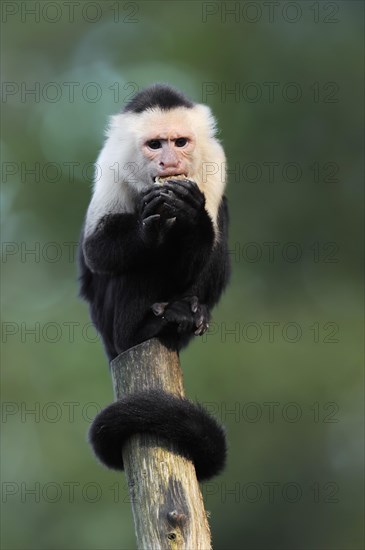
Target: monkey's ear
{"x": 188, "y": 426}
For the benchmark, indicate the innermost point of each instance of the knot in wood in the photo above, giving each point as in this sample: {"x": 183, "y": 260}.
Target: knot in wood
{"x": 176, "y": 519}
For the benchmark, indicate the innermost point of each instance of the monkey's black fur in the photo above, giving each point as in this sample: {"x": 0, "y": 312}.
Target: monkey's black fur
{"x": 185, "y": 425}
{"x": 156, "y": 272}
{"x": 128, "y": 271}
{"x": 159, "y": 95}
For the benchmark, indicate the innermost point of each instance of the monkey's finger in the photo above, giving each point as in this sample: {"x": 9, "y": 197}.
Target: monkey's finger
{"x": 194, "y": 303}
{"x": 170, "y": 222}
{"x": 151, "y": 197}
{"x": 170, "y": 209}
{"x": 201, "y": 329}
{"x": 151, "y": 206}
{"x": 179, "y": 206}
{"x": 144, "y": 201}
{"x": 159, "y": 308}
{"x": 189, "y": 186}
{"x": 199, "y": 320}
{"x": 151, "y": 221}
{"x": 147, "y": 198}
{"x": 150, "y": 193}
{"x": 185, "y": 194}
{"x": 175, "y": 188}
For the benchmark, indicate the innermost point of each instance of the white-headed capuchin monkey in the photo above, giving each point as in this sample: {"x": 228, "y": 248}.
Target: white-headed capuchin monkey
{"x": 153, "y": 251}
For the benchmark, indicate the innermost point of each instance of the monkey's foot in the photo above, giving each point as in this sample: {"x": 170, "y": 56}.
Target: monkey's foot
{"x": 187, "y": 313}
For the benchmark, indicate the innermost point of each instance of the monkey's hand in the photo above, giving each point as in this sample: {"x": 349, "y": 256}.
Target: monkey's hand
{"x": 183, "y": 200}
{"x": 154, "y": 223}
{"x": 187, "y": 313}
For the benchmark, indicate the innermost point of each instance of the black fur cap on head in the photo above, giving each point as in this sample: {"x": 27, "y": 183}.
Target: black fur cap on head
{"x": 188, "y": 426}
{"x": 158, "y": 95}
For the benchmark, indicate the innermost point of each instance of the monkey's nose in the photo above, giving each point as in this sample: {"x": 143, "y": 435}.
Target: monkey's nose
{"x": 171, "y": 163}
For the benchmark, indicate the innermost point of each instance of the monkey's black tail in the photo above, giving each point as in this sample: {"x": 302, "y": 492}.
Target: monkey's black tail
{"x": 194, "y": 433}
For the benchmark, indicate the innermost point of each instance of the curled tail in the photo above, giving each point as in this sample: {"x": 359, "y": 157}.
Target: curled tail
{"x": 194, "y": 433}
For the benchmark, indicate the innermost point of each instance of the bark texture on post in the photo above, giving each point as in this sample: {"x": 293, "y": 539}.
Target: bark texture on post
{"x": 167, "y": 504}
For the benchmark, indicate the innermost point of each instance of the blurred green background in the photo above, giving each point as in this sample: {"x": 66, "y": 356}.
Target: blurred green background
{"x": 282, "y": 364}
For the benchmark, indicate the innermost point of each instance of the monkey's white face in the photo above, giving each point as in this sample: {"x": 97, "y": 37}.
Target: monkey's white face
{"x": 169, "y": 153}
{"x": 168, "y": 147}
{"x": 157, "y": 143}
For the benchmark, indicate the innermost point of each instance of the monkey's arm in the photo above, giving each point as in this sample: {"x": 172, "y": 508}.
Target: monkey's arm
{"x": 170, "y": 228}
{"x": 190, "y": 240}
{"x": 116, "y": 245}
{"x": 190, "y": 311}
{"x": 126, "y": 242}
{"x": 204, "y": 263}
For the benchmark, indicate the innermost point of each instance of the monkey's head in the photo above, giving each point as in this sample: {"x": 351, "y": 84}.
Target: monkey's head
{"x": 159, "y": 133}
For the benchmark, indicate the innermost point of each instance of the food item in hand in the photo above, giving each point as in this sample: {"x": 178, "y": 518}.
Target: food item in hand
{"x": 163, "y": 179}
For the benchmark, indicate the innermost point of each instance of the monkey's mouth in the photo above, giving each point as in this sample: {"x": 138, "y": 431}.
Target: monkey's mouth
{"x": 160, "y": 180}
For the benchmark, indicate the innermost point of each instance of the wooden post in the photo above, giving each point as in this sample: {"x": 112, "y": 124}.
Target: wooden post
{"x": 167, "y": 504}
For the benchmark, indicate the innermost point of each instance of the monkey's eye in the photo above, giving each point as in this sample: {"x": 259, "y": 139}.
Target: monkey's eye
{"x": 154, "y": 144}
{"x": 181, "y": 142}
